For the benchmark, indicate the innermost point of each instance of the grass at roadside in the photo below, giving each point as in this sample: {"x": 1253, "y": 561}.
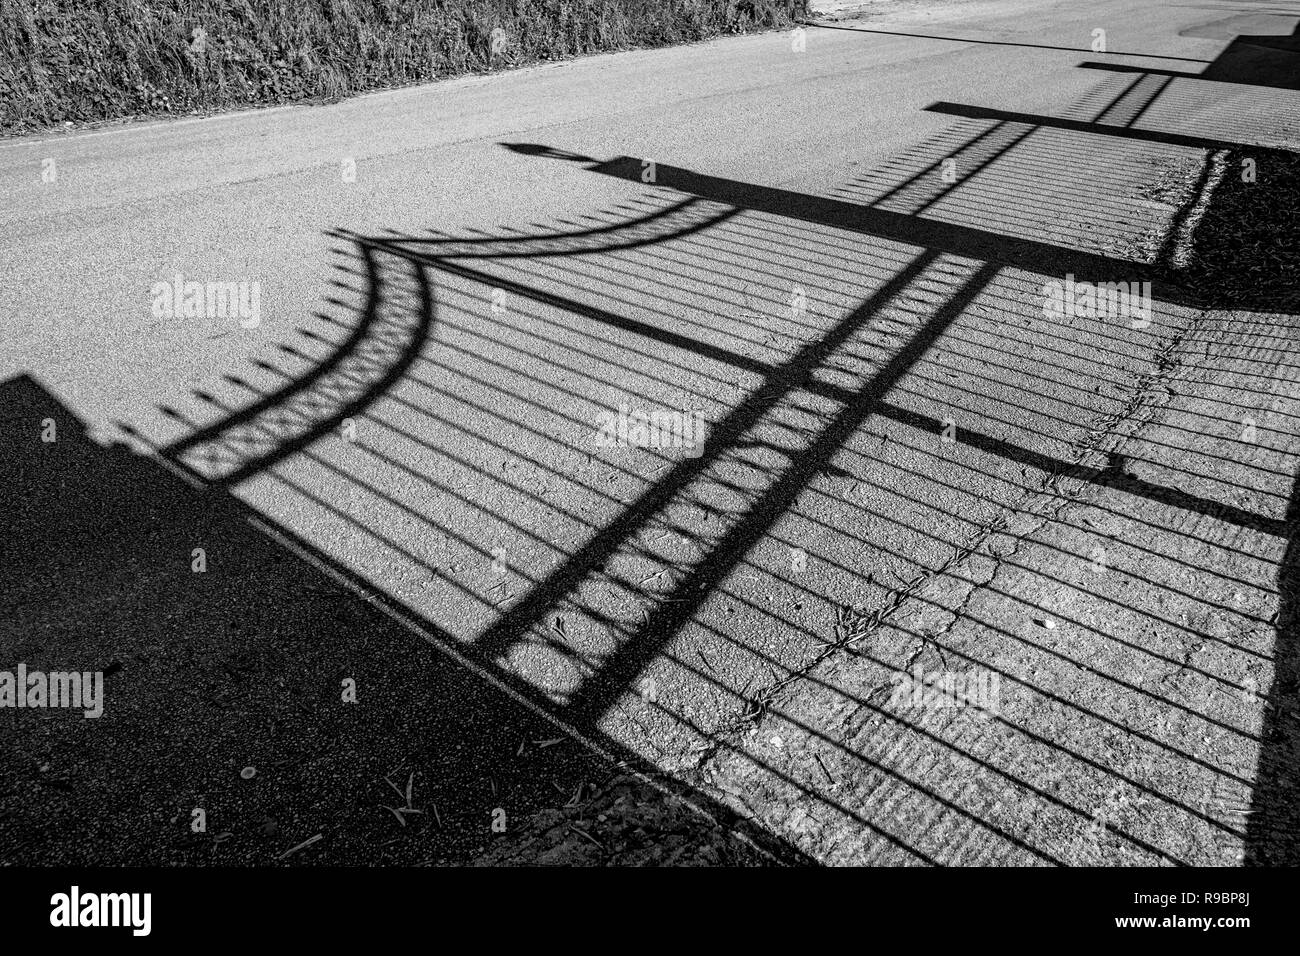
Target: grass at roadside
{"x": 64, "y": 61}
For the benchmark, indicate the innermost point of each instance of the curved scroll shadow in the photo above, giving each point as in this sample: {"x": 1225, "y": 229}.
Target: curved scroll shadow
{"x": 350, "y": 371}
{"x": 381, "y": 346}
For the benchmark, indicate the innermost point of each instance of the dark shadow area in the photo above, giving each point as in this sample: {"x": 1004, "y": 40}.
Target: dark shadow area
{"x": 1259, "y": 61}
{"x": 377, "y": 352}
{"x": 1273, "y": 824}
{"x": 243, "y": 665}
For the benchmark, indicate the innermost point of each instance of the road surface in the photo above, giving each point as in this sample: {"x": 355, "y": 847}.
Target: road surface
{"x": 831, "y": 253}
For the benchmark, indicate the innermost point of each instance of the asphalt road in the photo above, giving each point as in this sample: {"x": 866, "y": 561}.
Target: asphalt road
{"x": 457, "y": 281}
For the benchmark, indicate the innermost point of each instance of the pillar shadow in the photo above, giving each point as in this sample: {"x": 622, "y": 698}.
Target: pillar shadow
{"x": 1273, "y": 825}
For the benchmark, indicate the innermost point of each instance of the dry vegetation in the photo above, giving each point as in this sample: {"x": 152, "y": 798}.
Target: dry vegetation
{"x": 62, "y": 60}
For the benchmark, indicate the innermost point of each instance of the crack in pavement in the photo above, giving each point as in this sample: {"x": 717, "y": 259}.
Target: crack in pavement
{"x": 1046, "y": 503}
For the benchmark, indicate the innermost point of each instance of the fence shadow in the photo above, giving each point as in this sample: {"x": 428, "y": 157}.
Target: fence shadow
{"x": 890, "y": 416}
